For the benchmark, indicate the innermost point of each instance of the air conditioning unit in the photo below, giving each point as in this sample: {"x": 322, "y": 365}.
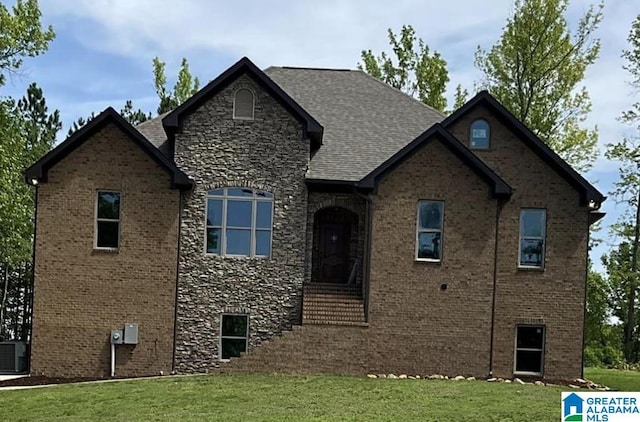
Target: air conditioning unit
{"x": 13, "y": 356}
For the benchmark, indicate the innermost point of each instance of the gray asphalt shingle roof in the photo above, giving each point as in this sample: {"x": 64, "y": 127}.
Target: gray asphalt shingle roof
{"x": 365, "y": 121}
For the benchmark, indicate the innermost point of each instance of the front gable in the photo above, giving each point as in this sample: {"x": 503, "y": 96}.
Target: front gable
{"x": 38, "y": 172}
{"x": 485, "y": 107}
{"x": 173, "y": 122}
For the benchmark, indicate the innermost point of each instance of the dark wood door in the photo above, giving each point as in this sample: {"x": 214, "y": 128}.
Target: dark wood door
{"x": 334, "y": 253}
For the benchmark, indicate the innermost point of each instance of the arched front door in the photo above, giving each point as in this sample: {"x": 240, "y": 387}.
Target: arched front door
{"x": 333, "y": 228}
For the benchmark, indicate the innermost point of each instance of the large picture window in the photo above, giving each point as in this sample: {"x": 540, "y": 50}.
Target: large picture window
{"x": 107, "y": 228}
{"x": 532, "y": 237}
{"x": 234, "y": 334}
{"x": 429, "y": 230}
{"x": 529, "y": 349}
{"x": 239, "y": 222}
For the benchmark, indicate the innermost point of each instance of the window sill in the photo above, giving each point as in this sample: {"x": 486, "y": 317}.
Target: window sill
{"x": 257, "y": 257}
{"x": 428, "y": 261}
{"x": 247, "y": 119}
{"x": 522, "y": 268}
{"x": 106, "y": 250}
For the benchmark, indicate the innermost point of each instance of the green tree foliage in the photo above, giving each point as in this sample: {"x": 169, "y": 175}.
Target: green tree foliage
{"x": 460, "y": 97}
{"x": 185, "y": 86}
{"x": 135, "y": 117}
{"x": 627, "y": 191}
{"x": 536, "y": 70}
{"x": 21, "y": 35}
{"x": 415, "y": 70}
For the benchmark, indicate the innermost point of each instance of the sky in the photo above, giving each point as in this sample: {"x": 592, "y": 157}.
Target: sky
{"x": 103, "y": 51}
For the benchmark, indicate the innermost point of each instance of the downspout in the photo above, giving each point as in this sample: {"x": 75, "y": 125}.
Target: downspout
{"x": 175, "y": 302}
{"x": 366, "y": 267}
{"x": 499, "y": 206}
{"x": 33, "y": 279}
{"x": 584, "y": 311}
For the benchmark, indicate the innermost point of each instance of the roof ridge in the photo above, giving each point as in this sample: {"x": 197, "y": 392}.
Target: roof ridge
{"x": 331, "y": 69}
{"x": 401, "y": 92}
{"x": 153, "y": 119}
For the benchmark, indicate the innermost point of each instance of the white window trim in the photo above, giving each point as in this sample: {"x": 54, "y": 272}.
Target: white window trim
{"x": 543, "y": 238}
{"x": 253, "y": 105}
{"x": 254, "y": 199}
{"x": 246, "y": 337}
{"x": 526, "y": 349}
{"x": 488, "y": 135}
{"x": 419, "y": 230}
{"x": 108, "y": 220}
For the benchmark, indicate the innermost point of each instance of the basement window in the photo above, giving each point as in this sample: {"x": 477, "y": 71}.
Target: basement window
{"x": 234, "y": 333}
{"x": 107, "y": 228}
{"x": 529, "y": 359}
{"x": 243, "y": 105}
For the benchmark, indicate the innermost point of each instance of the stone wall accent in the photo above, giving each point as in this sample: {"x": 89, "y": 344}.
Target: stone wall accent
{"x": 81, "y": 294}
{"x": 556, "y": 294}
{"x": 268, "y": 153}
{"x": 352, "y": 202}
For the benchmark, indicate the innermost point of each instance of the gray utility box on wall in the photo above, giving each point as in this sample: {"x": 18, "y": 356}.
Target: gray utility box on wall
{"x": 131, "y": 334}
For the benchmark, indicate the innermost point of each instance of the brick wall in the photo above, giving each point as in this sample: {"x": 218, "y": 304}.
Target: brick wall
{"x": 267, "y": 153}
{"x": 554, "y": 296}
{"x": 81, "y": 294}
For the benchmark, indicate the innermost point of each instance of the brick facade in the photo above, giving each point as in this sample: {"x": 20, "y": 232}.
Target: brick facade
{"x": 81, "y": 294}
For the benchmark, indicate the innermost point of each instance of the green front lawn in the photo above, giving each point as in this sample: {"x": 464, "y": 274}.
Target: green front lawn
{"x": 295, "y": 398}
{"x": 615, "y": 379}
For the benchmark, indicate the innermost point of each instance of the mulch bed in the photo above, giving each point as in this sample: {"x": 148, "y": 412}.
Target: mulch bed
{"x": 40, "y": 380}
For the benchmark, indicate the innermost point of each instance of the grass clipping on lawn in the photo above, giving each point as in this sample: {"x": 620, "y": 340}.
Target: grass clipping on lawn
{"x": 295, "y": 398}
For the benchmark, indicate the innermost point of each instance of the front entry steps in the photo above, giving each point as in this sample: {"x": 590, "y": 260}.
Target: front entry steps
{"x": 332, "y": 304}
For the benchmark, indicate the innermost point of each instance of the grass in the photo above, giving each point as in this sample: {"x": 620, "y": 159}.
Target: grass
{"x": 615, "y": 379}
{"x": 294, "y": 398}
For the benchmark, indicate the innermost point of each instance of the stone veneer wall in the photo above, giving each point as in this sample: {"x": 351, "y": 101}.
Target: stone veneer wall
{"x": 351, "y": 202}
{"x": 268, "y": 153}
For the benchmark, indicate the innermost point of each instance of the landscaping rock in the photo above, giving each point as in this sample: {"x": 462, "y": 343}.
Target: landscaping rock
{"x": 372, "y": 376}
{"x": 492, "y": 379}
{"x": 402, "y": 376}
{"x": 418, "y": 377}
{"x": 539, "y": 383}
{"x": 411, "y": 377}
{"x": 471, "y": 379}
{"x": 507, "y": 381}
{"x": 459, "y": 378}
{"x": 436, "y": 377}
{"x": 392, "y": 376}
{"x": 518, "y": 381}
{"x": 574, "y": 386}
{"x": 382, "y": 375}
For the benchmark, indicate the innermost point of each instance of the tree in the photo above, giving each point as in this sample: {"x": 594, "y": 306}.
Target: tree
{"x": 134, "y": 117}
{"x": 185, "y": 86}
{"x": 21, "y": 35}
{"x": 627, "y": 190}
{"x": 535, "y": 70}
{"x": 460, "y": 97}
{"x": 416, "y": 70}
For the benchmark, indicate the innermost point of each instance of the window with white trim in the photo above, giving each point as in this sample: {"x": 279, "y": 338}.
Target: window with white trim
{"x": 429, "y": 230}
{"x": 243, "y": 104}
{"x": 107, "y": 228}
{"x": 532, "y": 237}
{"x": 239, "y": 222}
{"x": 234, "y": 334}
{"x": 529, "y": 357}
{"x": 479, "y": 134}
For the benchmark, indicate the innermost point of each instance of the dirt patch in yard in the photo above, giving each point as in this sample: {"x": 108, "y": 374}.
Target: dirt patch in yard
{"x": 29, "y": 381}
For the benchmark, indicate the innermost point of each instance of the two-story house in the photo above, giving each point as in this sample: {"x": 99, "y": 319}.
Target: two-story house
{"x": 310, "y": 220}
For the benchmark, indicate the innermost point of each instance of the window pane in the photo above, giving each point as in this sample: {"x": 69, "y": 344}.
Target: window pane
{"x": 239, "y": 214}
{"x": 107, "y": 234}
{"x": 479, "y": 134}
{"x": 532, "y": 223}
{"x": 240, "y": 192}
{"x": 213, "y": 241}
{"x": 429, "y": 245}
{"x": 214, "y": 212}
{"x": 216, "y": 192}
{"x": 531, "y": 252}
{"x": 232, "y": 347}
{"x": 263, "y": 215}
{"x": 238, "y": 242}
{"x": 261, "y": 194}
{"x": 234, "y": 325}
{"x": 430, "y": 215}
{"x": 528, "y": 361}
{"x": 109, "y": 205}
{"x": 530, "y": 337}
{"x": 263, "y": 242}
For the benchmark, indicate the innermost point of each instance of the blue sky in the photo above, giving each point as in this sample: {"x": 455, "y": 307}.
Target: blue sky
{"x": 103, "y": 50}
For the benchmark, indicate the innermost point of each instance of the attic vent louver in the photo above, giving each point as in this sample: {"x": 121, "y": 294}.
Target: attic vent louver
{"x": 243, "y": 105}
